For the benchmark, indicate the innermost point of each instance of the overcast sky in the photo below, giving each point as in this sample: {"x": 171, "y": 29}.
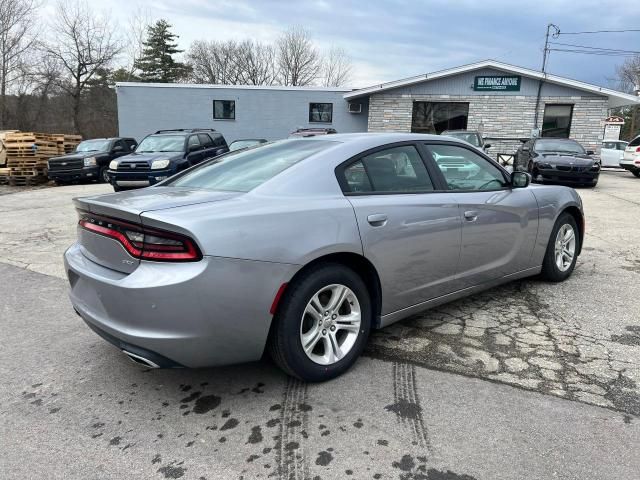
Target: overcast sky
{"x": 388, "y": 40}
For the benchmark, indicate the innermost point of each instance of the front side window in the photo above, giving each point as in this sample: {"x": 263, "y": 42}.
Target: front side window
{"x": 245, "y": 170}
{"x": 466, "y": 170}
{"x": 468, "y": 137}
{"x": 161, "y": 143}
{"x": 224, "y": 110}
{"x": 321, "y": 112}
{"x": 436, "y": 117}
{"x": 193, "y": 141}
{"x": 393, "y": 170}
{"x": 557, "y": 121}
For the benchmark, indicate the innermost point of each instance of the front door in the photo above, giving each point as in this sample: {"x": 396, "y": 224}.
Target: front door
{"x": 410, "y": 232}
{"x": 499, "y": 223}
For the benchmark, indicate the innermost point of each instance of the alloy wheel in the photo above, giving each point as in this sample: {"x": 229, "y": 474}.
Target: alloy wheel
{"x": 565, "y": 248}
{"x": 330, "y": 324}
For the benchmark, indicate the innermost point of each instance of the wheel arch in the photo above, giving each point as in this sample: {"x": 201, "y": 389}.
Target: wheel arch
{"x": 577, "y": 215}
{"x": 359, "y": 264}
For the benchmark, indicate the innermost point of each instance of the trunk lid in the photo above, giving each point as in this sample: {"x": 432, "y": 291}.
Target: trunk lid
{"x": 128, "y": 208}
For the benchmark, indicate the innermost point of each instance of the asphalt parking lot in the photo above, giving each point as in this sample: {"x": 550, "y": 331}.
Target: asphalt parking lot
{"x": 528, "y": 380}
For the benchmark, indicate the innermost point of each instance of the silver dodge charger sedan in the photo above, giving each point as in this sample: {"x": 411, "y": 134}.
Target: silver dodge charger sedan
{"x": 304, "y": 245}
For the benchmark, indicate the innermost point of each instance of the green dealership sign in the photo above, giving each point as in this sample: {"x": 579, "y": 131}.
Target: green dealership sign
{"x": 503, "y": 83}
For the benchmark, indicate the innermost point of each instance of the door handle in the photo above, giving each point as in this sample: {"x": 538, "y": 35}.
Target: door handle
{"x": 377, "y": 219}
{"x": 471, "y": 215}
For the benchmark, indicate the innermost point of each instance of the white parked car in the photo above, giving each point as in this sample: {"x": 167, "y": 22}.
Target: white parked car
{"x": 612, "y": 152}
{"x": 631, "y": 159}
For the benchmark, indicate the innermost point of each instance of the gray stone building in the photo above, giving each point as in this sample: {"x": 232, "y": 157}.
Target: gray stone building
{"x": 503, "y": 102}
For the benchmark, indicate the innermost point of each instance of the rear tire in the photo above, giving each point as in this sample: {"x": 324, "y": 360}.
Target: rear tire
{"x": 636, "y": 173}
{"x": 334, "y": 337}
{"x": 562, "y": 250}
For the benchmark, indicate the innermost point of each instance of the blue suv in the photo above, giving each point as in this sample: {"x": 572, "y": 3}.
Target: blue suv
{"x": 163, "y": 154}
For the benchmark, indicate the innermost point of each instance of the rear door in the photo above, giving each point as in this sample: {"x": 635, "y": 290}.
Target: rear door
{"x": 409, "y": 230}
{"x": 499, "y": 224}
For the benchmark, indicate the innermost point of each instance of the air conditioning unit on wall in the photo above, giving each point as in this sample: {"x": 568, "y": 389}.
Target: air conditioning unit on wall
{"x": 355, "y": 107}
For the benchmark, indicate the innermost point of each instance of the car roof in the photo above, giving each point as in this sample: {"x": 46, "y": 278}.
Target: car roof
{"x": 458, "y": 131}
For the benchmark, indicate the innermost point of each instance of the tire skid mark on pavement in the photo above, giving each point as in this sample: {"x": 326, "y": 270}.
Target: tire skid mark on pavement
{"x": 291, "y": 456}
{"x": 406, "y": 404}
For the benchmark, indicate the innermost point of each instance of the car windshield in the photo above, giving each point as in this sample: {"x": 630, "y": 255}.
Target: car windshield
{"x": 162, "y": 143}
{"x": 238, "y": 144}
{"x": 635, "y": 142}
{"x": 245, "y": 170}
{"x": 559, "y": 145}
{"x": 468, "y": 137}
{"x": 93, "y": 146}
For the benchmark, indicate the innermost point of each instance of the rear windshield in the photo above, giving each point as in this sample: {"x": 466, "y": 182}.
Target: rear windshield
{"x": 558, "y": 145}
{"x": 245, "y": 170}
{"x": 471, "y": 138}
{"x": 635, "y": 142}
{"x": 93, "y": 146}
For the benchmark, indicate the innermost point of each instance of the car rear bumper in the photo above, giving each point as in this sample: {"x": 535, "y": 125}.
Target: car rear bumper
{"x": 198, "y": 314}
{"x": 630, "y": 165}
{"x": 86, "y": 173}
{"x": 130, "y": 179}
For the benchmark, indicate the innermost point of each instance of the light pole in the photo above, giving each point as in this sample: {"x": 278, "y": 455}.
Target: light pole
{"x": 545, "y": 56}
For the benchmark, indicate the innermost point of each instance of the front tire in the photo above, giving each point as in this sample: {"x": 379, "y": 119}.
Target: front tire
{"x": 103, "y": 176}
{"x": 562, "y": 250}
{"x": 322, "y": 323}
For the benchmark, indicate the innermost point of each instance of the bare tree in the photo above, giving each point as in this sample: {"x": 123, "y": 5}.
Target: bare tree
{"x": 298, "y": 59}
{"x": 83, "y": 44}
{"x": 135, "y": 35}
{"x": 256, "y": 63}
{"x": 17, "y": 22}
{"x": 214, "y": 62}
{"x": 336, "y": 68}
{"x": 629, "y": 81}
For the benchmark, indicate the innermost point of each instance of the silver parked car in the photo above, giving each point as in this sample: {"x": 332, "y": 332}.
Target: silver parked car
{"x": 304, "y": 245}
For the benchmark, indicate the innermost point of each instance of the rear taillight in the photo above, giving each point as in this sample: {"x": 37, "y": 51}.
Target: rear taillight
{"x": 637, "y": 149}
{"x": 141, "y": 242}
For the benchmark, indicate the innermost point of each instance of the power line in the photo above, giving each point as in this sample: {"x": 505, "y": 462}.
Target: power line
{"x": 596, "y": 31}
{"x": 595, "y": 48}
{"x": 591, "y": 52}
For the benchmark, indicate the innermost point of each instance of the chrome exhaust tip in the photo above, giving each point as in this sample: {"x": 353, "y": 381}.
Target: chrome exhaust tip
{"x": 140, "y": 360}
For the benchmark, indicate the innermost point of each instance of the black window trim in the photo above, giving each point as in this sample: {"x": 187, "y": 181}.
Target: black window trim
{"x": 501, "y": 169}
{"x": 572, "y": 105}
{"x": 213, "y": 104}
{"x": 436, "y": 181}
{"x": 320, "y": 121}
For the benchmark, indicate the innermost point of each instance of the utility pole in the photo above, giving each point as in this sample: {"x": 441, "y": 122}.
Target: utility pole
{"x": 545, "y": 56}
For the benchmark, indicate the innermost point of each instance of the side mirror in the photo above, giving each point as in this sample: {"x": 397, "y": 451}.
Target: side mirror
{"x": 520, "y": 179}
{"x": 487, "y": 146}
{"x": 117, "y": 149}
{"x": 133, "y": 147}
{"x": 590, "y": 152}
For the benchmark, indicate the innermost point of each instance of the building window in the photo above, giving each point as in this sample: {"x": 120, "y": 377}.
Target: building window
{"x": 557, "y": 121}
{"x": 320, "y": 112}
{"x": 224, "y": 110}
{"x": 436, "y": 117}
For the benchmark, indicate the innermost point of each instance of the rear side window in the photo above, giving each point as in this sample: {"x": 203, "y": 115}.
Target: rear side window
{"x": 393, "y": 170}
{"x": 635, "y": 142}
{"x": 218, "y": 140}
{"x": 245, "y": 170}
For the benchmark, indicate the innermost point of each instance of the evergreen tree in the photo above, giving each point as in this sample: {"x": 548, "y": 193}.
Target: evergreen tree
{"x": 156, "y": 63}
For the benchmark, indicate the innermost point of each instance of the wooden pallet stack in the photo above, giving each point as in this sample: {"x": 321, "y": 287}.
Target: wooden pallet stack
{"x": 67, "y": 143}
{"x": 27, "y": 155}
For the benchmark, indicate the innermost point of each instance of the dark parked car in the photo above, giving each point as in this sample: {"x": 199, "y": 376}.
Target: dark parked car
{"x": 245, "y": 143}
{"x": 469, "y": 136}
{"x": 90, "y": 160}
{"x": 163, "y": 154}
{"x": 558, "y": 160}
{"x": 311, "y": 132}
